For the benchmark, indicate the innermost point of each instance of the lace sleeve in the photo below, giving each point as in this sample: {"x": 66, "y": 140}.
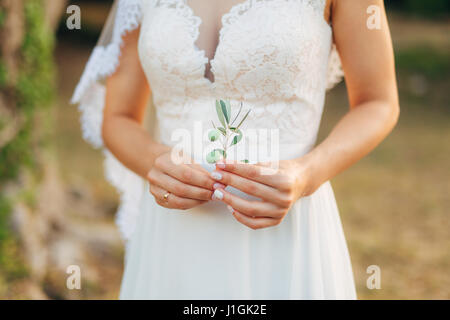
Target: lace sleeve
{"x": 335, "y": 71}
{"x": 90, "y": 92}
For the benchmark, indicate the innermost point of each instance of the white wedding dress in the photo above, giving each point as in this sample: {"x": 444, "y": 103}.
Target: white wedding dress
{"x": 277, "y": 57}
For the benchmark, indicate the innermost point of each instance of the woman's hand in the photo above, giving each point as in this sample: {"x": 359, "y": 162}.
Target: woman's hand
{"x": 367, "y": 58}
{"x": 187, "y": 185}
{"x": 278, "y": 189}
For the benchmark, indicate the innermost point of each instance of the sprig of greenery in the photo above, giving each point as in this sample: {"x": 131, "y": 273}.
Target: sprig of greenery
{"x": 228, "y": 134}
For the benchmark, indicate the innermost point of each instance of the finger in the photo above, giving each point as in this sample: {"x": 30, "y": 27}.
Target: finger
{"x": 173, "y": 201}
{"x": 252, "y": 187}
{"x": 255, "y": 223}
{"x": 199, "y": 168}
{"x": 178, "y": 188}
{"x": 253, "y": 172}
{"x": 248, "y": 207}
{"x": 189, "y": 174}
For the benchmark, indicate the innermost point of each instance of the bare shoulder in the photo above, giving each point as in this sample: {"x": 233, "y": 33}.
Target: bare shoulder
{"x": 362, "y": 36}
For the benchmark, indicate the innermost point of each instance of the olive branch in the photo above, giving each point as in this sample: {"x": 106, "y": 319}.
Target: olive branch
{"x": 228, "y": 134}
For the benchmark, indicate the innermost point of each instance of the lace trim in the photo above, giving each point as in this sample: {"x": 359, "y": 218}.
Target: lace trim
{"x": 90, "y": 94}
{"x": 129, "y": 185}
{"x": 234, "y": 14}
{"x": 335, "y": 72}
{"x": 104, "y": 60}
{"x": 185, "y": 11}
{"x": 131, "y": 188}
{"x": 239, "y": 9}
{"x": 91, "y": 109}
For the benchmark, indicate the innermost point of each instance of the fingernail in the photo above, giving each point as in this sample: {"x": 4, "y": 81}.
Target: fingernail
{"x": 216, "y": 175}
{"x": 221, "y": 165}
{"x": 218, "y": 186}
{"x": 217, "y": 195}
{"x": 230, "y": 209}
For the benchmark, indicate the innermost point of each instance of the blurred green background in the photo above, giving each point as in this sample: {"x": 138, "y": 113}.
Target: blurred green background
{"x": 57, "y": 210}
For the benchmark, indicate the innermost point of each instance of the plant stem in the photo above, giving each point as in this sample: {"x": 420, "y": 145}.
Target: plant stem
{"x": 225, "y": 145}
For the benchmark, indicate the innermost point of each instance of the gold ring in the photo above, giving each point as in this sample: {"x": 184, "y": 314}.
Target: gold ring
{"x": 166, "y": 197}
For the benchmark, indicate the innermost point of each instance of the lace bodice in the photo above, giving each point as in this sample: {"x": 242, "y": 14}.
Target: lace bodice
{"x": 276, "y": 56}
{"x": 272, "y": 55}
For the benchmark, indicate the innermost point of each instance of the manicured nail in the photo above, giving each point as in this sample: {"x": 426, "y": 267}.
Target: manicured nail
{"x": 230, "y": 209}
{"x": 218, "y": 186}
{"x": 216, "y": 175}
{"x": 220, "y": 165}
{"x": 217, "y": 195}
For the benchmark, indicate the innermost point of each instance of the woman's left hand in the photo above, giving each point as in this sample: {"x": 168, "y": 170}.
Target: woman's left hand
{"x": 277, "y": 188}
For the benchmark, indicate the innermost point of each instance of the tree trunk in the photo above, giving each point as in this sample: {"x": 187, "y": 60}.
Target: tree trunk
{"x": 53, "y": 11}
{"x": 12, "y": 33}
{"x": 27, "y": 23}
{"x": 11, "y": 38}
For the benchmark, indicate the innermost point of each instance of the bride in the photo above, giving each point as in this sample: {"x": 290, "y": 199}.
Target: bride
{"x": 230, "y": 230}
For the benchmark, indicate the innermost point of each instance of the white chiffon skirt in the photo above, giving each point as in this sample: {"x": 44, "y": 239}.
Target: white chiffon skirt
{"x": 204, "y": 253}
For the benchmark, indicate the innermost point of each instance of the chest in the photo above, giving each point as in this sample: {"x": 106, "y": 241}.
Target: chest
{"x": 271, "y": 42}
{"x": 210, "y": 14}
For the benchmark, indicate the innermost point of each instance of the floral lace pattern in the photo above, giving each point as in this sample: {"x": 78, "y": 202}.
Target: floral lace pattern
{"x": 90, "y": 95}
{"x": 276, "y": 55}
{"x": 250, "y": 57}
{"x": 272, "y": 54}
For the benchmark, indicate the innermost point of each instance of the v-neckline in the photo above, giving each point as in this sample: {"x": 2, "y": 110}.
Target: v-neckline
{"x": 224, "y": 25}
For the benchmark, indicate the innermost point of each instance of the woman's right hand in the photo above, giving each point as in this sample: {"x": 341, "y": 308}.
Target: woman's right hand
{"x": 188, "y": 185}
{"x": 127, "y": 96}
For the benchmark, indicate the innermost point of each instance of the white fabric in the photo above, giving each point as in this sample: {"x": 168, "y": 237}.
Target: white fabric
{"x": 90, "y": 95}
{"x": 206, "y": 254}
{"x": 278, "y": 58}
{"x": 90, "y": 92}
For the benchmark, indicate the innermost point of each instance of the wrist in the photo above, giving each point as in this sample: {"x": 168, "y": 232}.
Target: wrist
{"x": 155, "y": 151}
{"x": 308, "y": 175}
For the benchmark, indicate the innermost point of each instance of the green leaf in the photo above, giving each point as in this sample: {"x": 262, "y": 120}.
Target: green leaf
{"x": 215, "y": 155}
{"x": 220, "y": 154}
{"x": 237, "y": 115}
{"x": 245, "y": 161}
{"x": 224, "y": 111}
{"x": 243, "y": 119}
{"x": 213, "y": 135}
{"x": 224, "y": 132}
{"x": 211, "y": 158}
{"x": 237, "y": 138}
{"x": 220, "y": 151}
{"x": 220, "y": 113}
{"x": 228, "y": 105}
